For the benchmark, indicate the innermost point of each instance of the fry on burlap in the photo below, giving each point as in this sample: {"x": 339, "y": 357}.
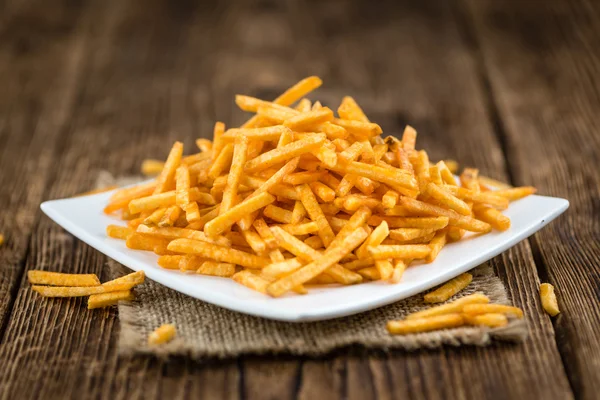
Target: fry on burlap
{"x": 208, "y": 331}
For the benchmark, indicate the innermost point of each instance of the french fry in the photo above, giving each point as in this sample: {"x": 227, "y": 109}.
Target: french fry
{"x": 218, "y": 142}
{"x": 298, "y": 213}
{"x": 255, "y": 241}
{"x": 390, "y": 198}
{"x": 404, "y": 234}
{"x": 399, "y": 268}
{"x": 448, "y": 289}
{"x": 364, "y": 130}
{"x": 265, "y": 233}
{"x": 322, "y": 191}
{"x": 327, "y": 155}
{"x": 216, "y": 269}
{"x": 152, "y": 167}
{"x": 217, "y": 253}
{"x": 36, "y": 277}
{"x": 268, "y": 133}
{"x": 350, "y": 110}
{"x": 155, "y": 217}
{"x": 436, "y": 244}
{"x": 167, "y": 199}
{"x": 169, "y": 262}
{"x": 370, "y": 273}
{"x": 182, "y": 186}
{"x": 284, "y": 153}
{"x": 230, "y": 193}
{"x": 309, "y": 119}
{"x": 68, "y": 291}
{"x": 478, "y": 309}
{"x": 301, "y": 229}
{"x": 135, "y": 241}
{"x": 309, "y": 271}
{"x": 304, "y": 105}
{"x": 490, "y": 198}
{"x": 236, "y": 213}
{"x": 515, "y": 193}
{"x": 447, "y": 199}
{"x": 446, "y": 174}
{"x": 125, "y": 282}
{"x": 409, "y": 138}
{"x": 455, "y": 219}
{"x": 315, "y": 242}
{"x": 492, "y": 320}
{"x": 493, "y": 183}
{"x": 122, "y": 198}
{"x": 170, "y": 216}
{"x": 455, "y": 306}
{"x": 405, "y": 327}
{"x": 549, "y": 301}
{"x": 222, "y": 162}
{"x": 383, "y": 252}
{"x": 385, "y": 268}
{"x": 375, "y": 239}
{"x": 253, "y": 281}
{"x": 118, "y": 232}
{"x": 163, "y": 334}
{"x": 166, "y": 179}
{"x": 174, "y": 233}
{"x": 492, "y": 216}
{"x": 204, "y": 145}
{"x": 316, "y": 214}
{"x": 108, "y": 299}
{"x": 299, "y": 178}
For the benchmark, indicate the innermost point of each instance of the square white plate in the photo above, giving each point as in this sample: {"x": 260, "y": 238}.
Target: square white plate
{"x": 83, "y": 217}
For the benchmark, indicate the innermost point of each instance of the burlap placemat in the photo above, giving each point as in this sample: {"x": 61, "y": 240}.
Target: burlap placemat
{"x": 208, "y": 331}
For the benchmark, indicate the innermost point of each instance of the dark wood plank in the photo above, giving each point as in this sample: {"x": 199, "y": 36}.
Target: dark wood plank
{"x": 543, "y": 60}
{"x": 40, "y": 65}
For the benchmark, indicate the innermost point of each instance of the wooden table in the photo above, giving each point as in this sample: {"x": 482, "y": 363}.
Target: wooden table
{"x": 511, "y": 87}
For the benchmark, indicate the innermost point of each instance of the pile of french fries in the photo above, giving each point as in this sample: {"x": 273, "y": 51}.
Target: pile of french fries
{"x": 299, "y": 196}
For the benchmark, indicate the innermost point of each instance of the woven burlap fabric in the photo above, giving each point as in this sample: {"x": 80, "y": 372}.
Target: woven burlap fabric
{"x": 208, "y": 331}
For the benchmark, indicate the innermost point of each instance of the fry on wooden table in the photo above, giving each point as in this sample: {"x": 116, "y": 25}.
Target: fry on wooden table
{"x": 448, "y": 289}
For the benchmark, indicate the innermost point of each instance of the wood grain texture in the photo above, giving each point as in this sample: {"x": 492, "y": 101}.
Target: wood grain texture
{"x": 549, "y": 108}
{"x": 119, "y": 82}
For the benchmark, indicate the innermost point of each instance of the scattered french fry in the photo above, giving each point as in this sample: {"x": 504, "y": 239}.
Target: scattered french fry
{"x": 36, "y": 277}
{"x": 449, "y": 289}
{"x": 492, "y": 320}
{"x": 162, "y": 334}
{"x": 549, "y": 301}
{"x": 108, "y": 299}
{"x": 417, "y": 325}
{"x": 455, "y": 306}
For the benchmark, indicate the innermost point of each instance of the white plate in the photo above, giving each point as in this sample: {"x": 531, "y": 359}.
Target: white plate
{"x": 83, "y": 217}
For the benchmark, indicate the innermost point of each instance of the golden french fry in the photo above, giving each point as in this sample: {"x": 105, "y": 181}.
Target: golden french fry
{"x": 1, "y": 239}
{"x": 315, "y": 242}
{"x": 230, "y": 193}
{"x": 316, "y": 214}
{"x": 252, "y": 281}
{"x": 118, "y": 232}
{"x": 37, "y": 277}
{"x": 460, "y": 221}
{"x": 385, "y": 268}
{"x": 308, "y": 120}
{"x": 490, "y": 198}
{"x": 217, "y": 253}
{"x": 170, "y": 217}
{"x": 438, "y": 322}
{"x": 493, "y": 183}
{"x": 323, "y": 191}
{"x": 155, "y": 217}
{"x": 364, "y": 130}
{"x": 448, "y": 289}
{"x": 447, "y": 199}
{"x": 169, "y": 262}
{"x": 268, "y": 133}
{"x": 278, "y": 214}
{"x": 135, "y": 241}
{"x": 298, "y": 213}
{"x": 350, "y": 110}
{"x": 301, "y": 229}
{"x": 375, "y": 239}
{"x": 166, "y": 179}
{"x": 109, "y": 299}
{"x": 549, "y": 301}
{"x": 125, "y": 282}
{"x": 236, "y": 213}
{"x": 304, "y": 105}
{"x": 399, "y": 268}
{"x": 389, "y": 199}
{"x": 167, "y": 199}
{"x": 284, "y": 153}
{"x": 409, "y": 138}
{"x": 68, "y": 291}
{"x": 515, "y": 193}
{"x": 478, "y": 309}
{"x": 402, "y": 251}
{"x": 436, "y": 244}
{"x": 492, "y": 320}
{"x": 216, "y": 269}
{"x": 152, "y": 167}
{"x": 282, "y": 268}
{"x": 163, "y": 334}
{"x": 303, "y": 177}
{"x": 492, "y": 216}
{"x": 371, "y": 273}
